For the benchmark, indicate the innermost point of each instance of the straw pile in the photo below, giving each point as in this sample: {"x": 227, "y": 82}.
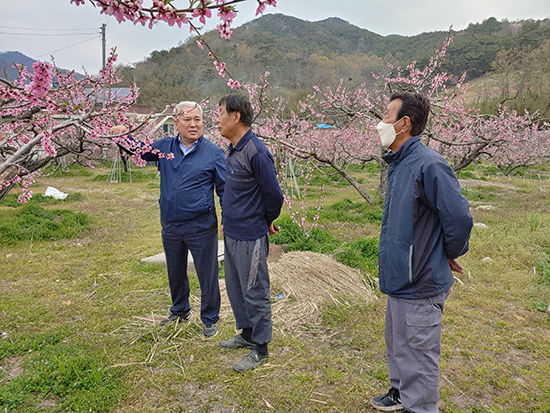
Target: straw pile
{"x": 308, "y": 280}
{"x": 305, "y": 280}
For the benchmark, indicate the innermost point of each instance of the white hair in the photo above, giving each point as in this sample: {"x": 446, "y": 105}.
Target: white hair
{"x": 178, "y": 110}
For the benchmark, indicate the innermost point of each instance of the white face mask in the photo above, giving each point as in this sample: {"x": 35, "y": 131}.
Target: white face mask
{"x": 387, "y": 133}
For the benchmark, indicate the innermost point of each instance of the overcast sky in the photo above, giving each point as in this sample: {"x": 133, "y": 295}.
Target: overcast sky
{"x": 40, "y": 28}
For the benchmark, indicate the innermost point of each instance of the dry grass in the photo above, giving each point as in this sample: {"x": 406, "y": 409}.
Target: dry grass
{"x": 308, "y": 281}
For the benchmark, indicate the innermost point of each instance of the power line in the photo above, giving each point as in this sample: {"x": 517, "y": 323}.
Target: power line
{"x": 49, "y": 30}
{"x": 76, "y": 44}
{"x": 49, "y": 34}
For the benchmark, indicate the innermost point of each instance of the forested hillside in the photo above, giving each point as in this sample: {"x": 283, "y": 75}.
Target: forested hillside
{"x": 300, "y": 54}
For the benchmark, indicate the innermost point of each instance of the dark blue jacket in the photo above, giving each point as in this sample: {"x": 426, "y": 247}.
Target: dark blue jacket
{"x": 187, "y": 183}
{"x": 426, "y": 221}
{"x": 253, "y": 197}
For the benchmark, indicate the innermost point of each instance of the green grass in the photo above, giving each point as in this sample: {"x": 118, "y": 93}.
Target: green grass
{"x": 136, "y": 176}
{"x": 38, "y": 199}
{"x": 75, "y": 375}
{"x": 76, "y": 331}
{"x": 544, "y": 268}
{"x": 35, "y": 223}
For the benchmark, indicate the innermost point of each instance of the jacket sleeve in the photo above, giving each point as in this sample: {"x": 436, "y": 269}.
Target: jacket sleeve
{"x": 443, "y": 193}
{"x": 148, "y": 156}
{"x": 263, "y": 168}
{"x": 219, "y": 178}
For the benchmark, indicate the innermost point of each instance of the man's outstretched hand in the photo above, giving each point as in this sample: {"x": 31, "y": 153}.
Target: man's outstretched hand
{"x": 118, "y": 130}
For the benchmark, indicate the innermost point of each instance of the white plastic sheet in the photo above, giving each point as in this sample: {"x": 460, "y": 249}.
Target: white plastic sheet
{"x": 55, "y": 193}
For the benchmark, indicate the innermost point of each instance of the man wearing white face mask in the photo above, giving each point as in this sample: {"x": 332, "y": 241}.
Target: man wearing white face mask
{"x": 426, "y": 226}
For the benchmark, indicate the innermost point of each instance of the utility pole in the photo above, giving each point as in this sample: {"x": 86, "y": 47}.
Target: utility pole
{"x": 103, "y": 41}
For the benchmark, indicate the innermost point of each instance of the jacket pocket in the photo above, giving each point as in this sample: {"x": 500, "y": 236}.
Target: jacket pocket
{"x": 423, "y": 330}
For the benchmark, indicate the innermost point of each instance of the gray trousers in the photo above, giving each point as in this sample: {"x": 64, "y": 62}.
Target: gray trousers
{"x": 247, "y": 284}
{"x": 413, "y": 344}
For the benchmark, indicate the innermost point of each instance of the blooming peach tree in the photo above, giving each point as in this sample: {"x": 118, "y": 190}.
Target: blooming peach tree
{"x": 48, "y": 114}
{"x": 336, "y": 127}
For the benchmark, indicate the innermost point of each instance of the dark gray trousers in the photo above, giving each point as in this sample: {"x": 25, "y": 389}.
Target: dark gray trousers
{"x": 413, "y": 344}
{"x": 200, "y": 236}
{"x": 247, "y": 283}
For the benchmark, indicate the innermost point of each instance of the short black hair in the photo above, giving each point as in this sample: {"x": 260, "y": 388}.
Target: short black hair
{"x": 416, "y": 107}
{"x": 237, "y": 103}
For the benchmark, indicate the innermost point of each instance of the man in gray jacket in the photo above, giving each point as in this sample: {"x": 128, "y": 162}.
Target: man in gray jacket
{"x": 426, "y": 226}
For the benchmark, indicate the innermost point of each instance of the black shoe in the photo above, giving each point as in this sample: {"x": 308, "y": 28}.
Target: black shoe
{"x": 387, "y": 402}
{"x": 173, "y": 317}
{"x": 236, "y": 342}
{"x": 210, "y": 330}
{"x": 250, "y": 362}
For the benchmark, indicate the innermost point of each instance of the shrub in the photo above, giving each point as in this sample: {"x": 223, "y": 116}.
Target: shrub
{"x": 361, "y": 254}
{"x": 349, "y": 211}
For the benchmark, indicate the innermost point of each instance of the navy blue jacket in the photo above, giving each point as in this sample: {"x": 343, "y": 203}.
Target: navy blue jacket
{"x": 426, "y": 221}
{"x": 253, "y": 197}
{"x": 187, "y": 183}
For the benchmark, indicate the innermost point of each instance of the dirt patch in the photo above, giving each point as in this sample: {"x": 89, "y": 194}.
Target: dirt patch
{"x": 12, "y": 366}
{"x": 275, "y": 253}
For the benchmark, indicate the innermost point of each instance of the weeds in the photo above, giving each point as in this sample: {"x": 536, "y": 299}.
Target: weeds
{"x": 74, "y": 375}
{"x": 349, "y": 211}
{"x": 135, "y": 176}
{"x": 544, "y": 269}
{"x": 11, "y": 200}
{"x": 534, "y": 222}
{"x": 361, "y": 254}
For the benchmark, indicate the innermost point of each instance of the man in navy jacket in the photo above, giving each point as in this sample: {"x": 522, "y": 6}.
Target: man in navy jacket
{"x": 253, "y": 199}
{"x": 426, "y": 226}
{"x": 190, "y": 167}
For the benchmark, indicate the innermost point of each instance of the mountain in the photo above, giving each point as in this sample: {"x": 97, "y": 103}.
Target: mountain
{"x": 300, "y": 54}
{"x": 8, "y": 71}
{"x": 8, "y": 58}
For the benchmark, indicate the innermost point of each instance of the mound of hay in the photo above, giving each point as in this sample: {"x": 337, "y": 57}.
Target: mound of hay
{"x": 308, "y": 280}
{"x": 305, "y": 280}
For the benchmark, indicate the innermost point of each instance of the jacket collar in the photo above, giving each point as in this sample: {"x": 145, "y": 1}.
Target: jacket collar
{"x": 404, "y": 150}
{"x": 243, "y": 141}
{"x": 196, "y": 143}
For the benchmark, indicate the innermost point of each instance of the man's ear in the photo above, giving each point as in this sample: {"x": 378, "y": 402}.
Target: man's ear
{"x": 237, "y": 116}
{"x": 407, "y": 125}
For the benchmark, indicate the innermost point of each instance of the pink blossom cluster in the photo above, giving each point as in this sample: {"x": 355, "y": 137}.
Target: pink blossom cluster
{"x": 220, "y": 67}
{"x": 262, "y": 4}
{"x": 166, "y": 11}
{"x": 41, "y": 81}
{"x": 233, "y": 84}
{"x": 26, "y": 193}
{"x": 202, "y": 12}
